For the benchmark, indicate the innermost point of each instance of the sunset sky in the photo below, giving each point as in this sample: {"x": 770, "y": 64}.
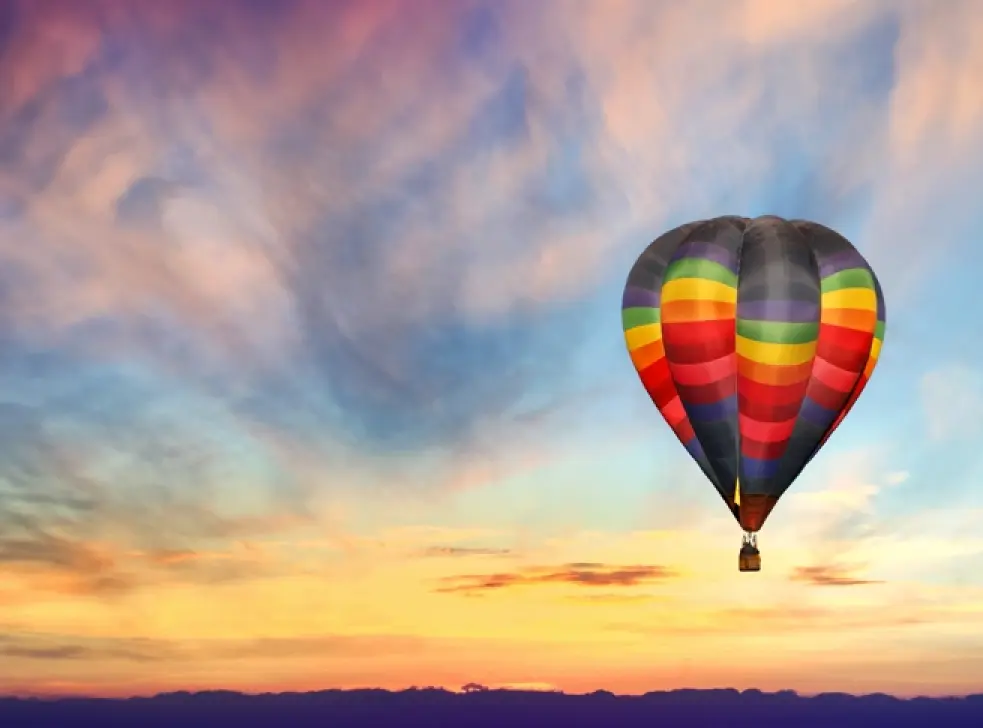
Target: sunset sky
{"x": 312, "y": 364}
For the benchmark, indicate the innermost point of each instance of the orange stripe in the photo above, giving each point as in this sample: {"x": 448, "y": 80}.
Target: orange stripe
{"x": 685, "y": 310}
{"x": 850, "y": 318}
{"x": 773, "y": 374}
{"x": 647, "y": 355}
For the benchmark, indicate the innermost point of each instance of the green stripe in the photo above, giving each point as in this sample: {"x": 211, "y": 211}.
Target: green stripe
{"x": 700, "y": 268}
{"x": 849, "y": 278}
{"x": 778, "y": 332}
{"x": 632, "y": 317}
{"x": 879, "y": 330}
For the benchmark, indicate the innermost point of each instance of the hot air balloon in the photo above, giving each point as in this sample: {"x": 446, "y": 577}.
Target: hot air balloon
{"x": 754, "y": 338}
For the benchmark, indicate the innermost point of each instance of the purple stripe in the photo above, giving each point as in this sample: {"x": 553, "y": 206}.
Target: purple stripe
{"x": 843, "y": 260}
{"x": 708, "y": 251}
{"x": 816, "y": 414}
{"x": 636, "y": 297}
{"x": 795, "y": 312}
{"x": 752, "y": 468}
{"x": 714, "y": 412}
{"x": 694, "y": 448}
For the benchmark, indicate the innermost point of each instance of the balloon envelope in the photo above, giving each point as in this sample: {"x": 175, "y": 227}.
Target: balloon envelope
{"x": 754, "y": 338}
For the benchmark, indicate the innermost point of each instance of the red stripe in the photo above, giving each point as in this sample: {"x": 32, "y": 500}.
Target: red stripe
{"x": 845, "y": 338}
{"x": 825, "y": 396}
{"x": 844, "y": 348}
{"x": 684, "y": 431}
{"x": 766, "y": 431}
{"x": 772, "y": 393}
{"x": 687, "y": 332}
{"x": 832, "y": 376}
{"x": 763, "y": 450}
{"x": 704, "y": 372}
{"x": 852, "y": 360}
{"x": 674, "y": 412}
{"x": 699, "y": 352}
{"x": 698, "y": 342}
{"x": 658, "y": 382}
{"x": 707, "y": 393}
{"x": 768, "y": 411}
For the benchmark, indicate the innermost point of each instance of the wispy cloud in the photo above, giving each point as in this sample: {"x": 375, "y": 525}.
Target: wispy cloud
{"x": 580, "y": 574}
{"x": 54, "y": 647}
{"x": 465, "y": 551}
{"x": 829, "y": 575}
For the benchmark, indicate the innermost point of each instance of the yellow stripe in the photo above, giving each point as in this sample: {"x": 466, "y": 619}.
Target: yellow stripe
{"x": 875, "y": 348}
{"x": 775, "y": 354}
{"x": 860, "y": 298}
{"x": 642, "y": 335}
{"x": 737, "y": 492}
{"x": 698, "y": 289}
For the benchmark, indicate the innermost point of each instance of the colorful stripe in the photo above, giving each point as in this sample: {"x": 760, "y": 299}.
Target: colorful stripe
{"x": 754, "y": 338}
{"x": 699, "y": 308}
{"x": 877, "y": 341}
{"x": 778, "y": 325}
{"x": 642, "y": 323}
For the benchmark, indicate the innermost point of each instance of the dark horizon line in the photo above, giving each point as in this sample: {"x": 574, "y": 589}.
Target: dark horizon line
{"x": 784, "y": 693}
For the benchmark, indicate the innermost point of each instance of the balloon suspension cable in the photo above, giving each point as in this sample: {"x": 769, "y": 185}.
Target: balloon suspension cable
{"x": 751, "y": 539}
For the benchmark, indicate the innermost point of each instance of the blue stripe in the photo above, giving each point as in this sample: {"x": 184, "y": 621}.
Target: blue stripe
{"x": 713, "y": 412}
{"x": 637, "y": 297}
{"x": 815, "y": 414}
{"x": 753, "y": 468}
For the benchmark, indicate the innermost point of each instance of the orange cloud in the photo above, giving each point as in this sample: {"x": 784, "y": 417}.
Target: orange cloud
{"x": 581, "y": 574}
{"x": 465, "y": 551}
{"x": 829, "y": 576}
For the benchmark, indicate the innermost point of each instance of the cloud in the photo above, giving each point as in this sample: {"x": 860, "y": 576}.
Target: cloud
{"x": 952, "y": 400}
{"x": 57, "y": 647}
{"x": 381, "y": 215}
{"x": 829, "y": 575}
{"x": 580, "y": 574}
{"x": 891, "y": 614}
{"x": 836, "y": 505}
{"x": 897, "y": 477}
{"x": 51, "y": 647}
{"x": 75, "y": 506}
{"x": 609, "y": 598}
{"x": 465, "y": 551}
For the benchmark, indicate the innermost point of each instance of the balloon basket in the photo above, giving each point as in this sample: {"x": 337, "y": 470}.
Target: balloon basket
{"x": 749, "y": 558}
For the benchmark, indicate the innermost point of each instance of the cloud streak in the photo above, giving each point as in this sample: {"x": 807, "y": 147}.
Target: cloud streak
{"x": 829, "y": 576}
{"x": 51, "y": 647}
{"x": 579, "y": 574}
{"x": 452, "y": 551}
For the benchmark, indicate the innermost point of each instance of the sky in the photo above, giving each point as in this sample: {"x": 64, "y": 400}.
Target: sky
{"x": 311, "y": 363}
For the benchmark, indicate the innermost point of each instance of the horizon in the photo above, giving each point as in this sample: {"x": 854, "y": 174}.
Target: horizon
{"x": 313, "y": 370}
{"x": 484, "y": 689}
{"x": 483, "y": 706}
